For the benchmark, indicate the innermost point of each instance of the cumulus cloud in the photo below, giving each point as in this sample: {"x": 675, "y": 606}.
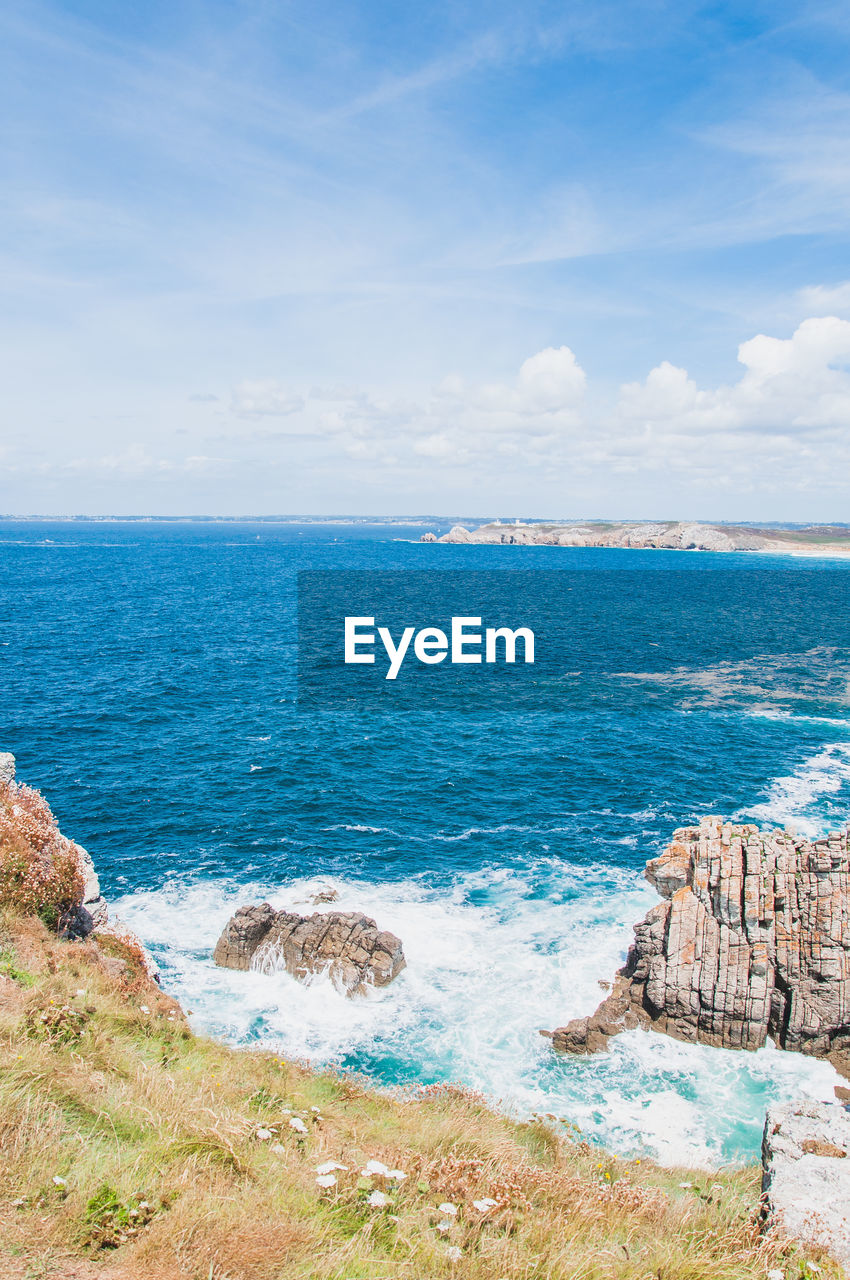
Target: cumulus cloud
{"x": 790, "y": 385}
{"x": 550, "y": 381}
{"x": 783, "y": 422}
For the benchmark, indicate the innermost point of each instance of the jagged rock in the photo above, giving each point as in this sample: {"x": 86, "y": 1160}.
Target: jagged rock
{"x": 346, "y": 944}
{"x": 94, "y": 902}
{"x": 428, "y": 537}
{"x": 752, "y": 941}
{"x": 7, "y": 766}
{"x": 324, "y": 895}
{"x": 806, "y": 1174}
{"x": 91, "y": 912}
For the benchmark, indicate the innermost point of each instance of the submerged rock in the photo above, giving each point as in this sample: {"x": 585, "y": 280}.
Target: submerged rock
{"x": 806, "y": 1174}
{"x": 753, "y": 941}
{"x": 347, "y": 945}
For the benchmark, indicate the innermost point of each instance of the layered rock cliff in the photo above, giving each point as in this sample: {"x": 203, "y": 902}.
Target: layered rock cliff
{"x": 752, "y": 940}
{"x": 346, "y": 944}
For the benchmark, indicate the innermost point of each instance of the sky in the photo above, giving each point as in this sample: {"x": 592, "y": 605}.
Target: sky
{"x": 574, "y": 259}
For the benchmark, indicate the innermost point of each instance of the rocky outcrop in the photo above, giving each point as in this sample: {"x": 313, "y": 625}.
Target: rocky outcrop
{"x": 752, "y": 940}
{"x": 667, "y": 534}
{"x": 92, "y": 913}
{"x": 7, "y": 766}
{"x": 346, "y": 944}
{"x": 806, "y": 1174}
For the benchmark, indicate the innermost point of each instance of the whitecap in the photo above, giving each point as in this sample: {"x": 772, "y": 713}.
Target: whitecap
{"x": 493, "y": 956}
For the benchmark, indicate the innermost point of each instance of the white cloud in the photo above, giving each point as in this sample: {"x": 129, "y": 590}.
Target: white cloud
{"x": 551, "y": 380}
{"x": 780, "y": 428}
{"x": 265, "y": 397}
{"x": 824, "y": 299}
{"x": 782, "y": 422}
{"x": 790, "y": 386}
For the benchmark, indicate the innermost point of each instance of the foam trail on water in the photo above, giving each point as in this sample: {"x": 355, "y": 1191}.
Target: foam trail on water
{"x": 801, "y": 797}
{"x": 492, "y": 956}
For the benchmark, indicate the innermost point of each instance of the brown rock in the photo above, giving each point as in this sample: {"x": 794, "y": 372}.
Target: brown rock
{"x": 346, "y": 944}
{"x": 752, "y": 941}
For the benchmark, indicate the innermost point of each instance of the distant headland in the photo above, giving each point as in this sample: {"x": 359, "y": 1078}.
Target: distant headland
{"x": 811, "y": 540}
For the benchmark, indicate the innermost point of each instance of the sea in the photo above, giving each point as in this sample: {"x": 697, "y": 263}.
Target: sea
{"x": 148, "y": 685}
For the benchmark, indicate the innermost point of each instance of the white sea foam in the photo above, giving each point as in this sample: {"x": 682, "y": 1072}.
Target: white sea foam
{"x": 492, "y": 957}
{"x": 798, "y": 798}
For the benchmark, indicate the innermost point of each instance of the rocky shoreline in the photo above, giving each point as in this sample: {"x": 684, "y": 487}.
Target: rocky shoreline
{"x": 752, "y": 939}
{"x": 654, "y": 535}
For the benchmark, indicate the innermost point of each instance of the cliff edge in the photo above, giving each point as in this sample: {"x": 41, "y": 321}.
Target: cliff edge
{"x": 752, "y": 940}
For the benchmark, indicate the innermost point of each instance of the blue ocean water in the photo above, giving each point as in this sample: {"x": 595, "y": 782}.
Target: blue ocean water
{"x": 148, "y": 686}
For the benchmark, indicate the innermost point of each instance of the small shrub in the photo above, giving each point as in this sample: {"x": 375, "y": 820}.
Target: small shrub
{"x": 40, "y": 870}
{"x": 9, "y": 969}
{"x": 109, "y": 1221}
{"x": 58, "y": 1023}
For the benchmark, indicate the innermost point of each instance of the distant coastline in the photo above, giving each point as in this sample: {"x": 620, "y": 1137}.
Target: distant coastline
{"x": 808, "y": 540}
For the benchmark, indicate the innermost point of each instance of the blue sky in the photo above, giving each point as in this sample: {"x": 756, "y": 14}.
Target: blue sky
{"x": 386, "y": 258}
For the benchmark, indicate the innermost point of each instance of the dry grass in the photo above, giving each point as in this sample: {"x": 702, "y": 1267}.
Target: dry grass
{"x": 159, "y": 1143}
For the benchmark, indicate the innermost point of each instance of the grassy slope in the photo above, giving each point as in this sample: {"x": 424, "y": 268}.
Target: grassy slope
{"x": 153, "y": 1133}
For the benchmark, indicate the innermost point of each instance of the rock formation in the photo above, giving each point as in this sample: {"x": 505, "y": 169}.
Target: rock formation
{"x": 752, "y": 940}
{"x": 669, "y": 534}
{"x": 806, "y": 1174}
{"x": 346, "y": 944}
{"x": 92, "y": 913}
{"x": 7, "y": 766}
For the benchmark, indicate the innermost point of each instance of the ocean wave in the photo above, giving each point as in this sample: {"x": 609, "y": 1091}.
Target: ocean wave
{"x": 493, "y": 955}
{"x": 800, "y": 798}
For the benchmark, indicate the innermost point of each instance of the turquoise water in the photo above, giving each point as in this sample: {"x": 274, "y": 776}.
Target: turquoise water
{"x": 148, "y": 686}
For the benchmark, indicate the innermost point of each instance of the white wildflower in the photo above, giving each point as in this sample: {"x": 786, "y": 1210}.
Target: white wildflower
{"x": 453, "y": 1253}
{"x": 278, "y": 1148}
{"x": 397, "y": 1175}
{"x": 315, "y": 1110}
{"x": 298, "y": 1125}
{"x": 59, "y": 1182}
{"x": 450, "y": 1209}
{"x": 375, "y": 1169}
{"x": 144, "y": 1008}
{"x": 776, "y": 1274}
{"x": 330, "y": 1165}
{"x": 485, "y": 1204}
{"x": 326, "y": 1180}
{"x": 263, "y": 1135}
{"x": 378, "y": 1200}
{"x": 685, "y": 1185}
{"x": 444, "y": 1227}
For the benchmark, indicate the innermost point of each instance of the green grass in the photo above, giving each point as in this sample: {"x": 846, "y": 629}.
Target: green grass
{"x": 133, "y": 1148}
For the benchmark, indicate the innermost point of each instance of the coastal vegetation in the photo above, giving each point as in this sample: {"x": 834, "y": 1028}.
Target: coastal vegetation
{"x": 132, "y": 1147}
